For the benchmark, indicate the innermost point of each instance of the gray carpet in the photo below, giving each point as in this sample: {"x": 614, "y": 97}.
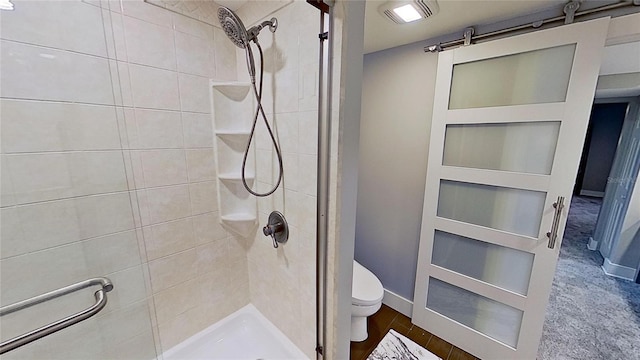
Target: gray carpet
{"x": 590, "y": 315}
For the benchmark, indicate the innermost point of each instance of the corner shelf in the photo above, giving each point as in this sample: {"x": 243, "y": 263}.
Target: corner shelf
{"x": 232, "y": 106}
{"x": 243, "y": 224}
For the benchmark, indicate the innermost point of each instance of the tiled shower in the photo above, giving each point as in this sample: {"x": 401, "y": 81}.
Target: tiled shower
{"x": 108, "y": 169}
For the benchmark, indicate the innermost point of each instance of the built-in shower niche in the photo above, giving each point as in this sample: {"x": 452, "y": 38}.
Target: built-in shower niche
{"x": 232, "y": 108}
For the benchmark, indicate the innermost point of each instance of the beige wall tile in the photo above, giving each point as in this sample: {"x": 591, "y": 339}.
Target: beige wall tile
{"x": 214, "y": 286}
{"x": 225, "y": 56}
{"x": 307, "y": 214}
{"x": 149, "y": 44}
{"x": 308, "y": 87}
{"x": 38, "y": 272}
{"x": 211, "y": 256}
{"x": 66, "y": 175}
{"x": 169, "y": 238}
{"x": 308, "y": 179}
{"x": 291, "y": 171}
{"x": 60, "y": 222}
{"x": 180, "y": 327}
{"x": 207, "y": 228}
{"x": 128, "y": 287}
{"x": 193, "y": 27}
{"x": 143, "y": 11}
{"x": 198, "y": 130}
{"x": 308, "y": 133}
{"x": 11, "y": 232}
{"x": 286, "y": 93}
{"x": 111, "y": 253}
{"x": 195, "y": 55}
{"x": 287, "y": 128}
{"x": 201, "y": 165}
{"x": 292, "y": 204}
{"x": 30, "y": 126}
{"x": 133, "y": 167}
{"x": 138, "y": 347}
{"x": 32, "y": 72}
{"x": 75, "y": 26}
{"x": 116, "y": 44}
{"x": 154, "y": 88}
{"x": 123, "y": 324}
{"x": 164, "y": 167}
{"x": 204, "y": 197}
{"x": 165, "y": 204}
{"x": 7, "y": 195}
{"x": 173, "y": 269}
{"x": 121, "y": 83}
{"x": 266, "y": 167}
{"x": 158, "y": 129}
{"x": 194, "y": 94}
{"x": 176, "y": 300}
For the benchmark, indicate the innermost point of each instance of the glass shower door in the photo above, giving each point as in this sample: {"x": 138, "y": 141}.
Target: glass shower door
{"x": 66, "y": 208}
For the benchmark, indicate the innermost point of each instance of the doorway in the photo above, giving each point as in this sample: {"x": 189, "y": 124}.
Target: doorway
{"x": 590, "y": 314}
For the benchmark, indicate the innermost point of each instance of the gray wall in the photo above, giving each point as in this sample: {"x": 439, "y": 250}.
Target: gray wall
{"x": 606, "y": 123}
{"x": 397, "y": 100}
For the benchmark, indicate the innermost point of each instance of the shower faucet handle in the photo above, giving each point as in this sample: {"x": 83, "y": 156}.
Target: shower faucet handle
{"x": 277, "y": 228}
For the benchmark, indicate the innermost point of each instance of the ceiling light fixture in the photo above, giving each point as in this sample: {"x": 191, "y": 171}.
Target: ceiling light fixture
{"x": 6, "y": 5}
{"x": 407, "y": 11}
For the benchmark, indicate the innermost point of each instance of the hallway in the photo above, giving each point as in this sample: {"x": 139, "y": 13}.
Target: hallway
{"x": 589, "y": 315}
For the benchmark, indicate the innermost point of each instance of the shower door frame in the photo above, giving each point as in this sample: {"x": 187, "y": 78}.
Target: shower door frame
{"x": 573, "y": 114}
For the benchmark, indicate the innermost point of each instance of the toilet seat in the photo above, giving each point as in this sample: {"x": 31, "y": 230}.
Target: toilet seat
{"x": 366, "y": 289}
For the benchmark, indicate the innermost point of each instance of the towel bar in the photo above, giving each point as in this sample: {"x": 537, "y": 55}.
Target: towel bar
{"x": 101, "y": 302}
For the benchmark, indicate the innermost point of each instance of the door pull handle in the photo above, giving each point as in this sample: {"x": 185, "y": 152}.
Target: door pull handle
{"x": 553, "y": 234}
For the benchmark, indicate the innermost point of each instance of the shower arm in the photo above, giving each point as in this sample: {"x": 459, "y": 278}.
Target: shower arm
{"x": 253, "y": 32}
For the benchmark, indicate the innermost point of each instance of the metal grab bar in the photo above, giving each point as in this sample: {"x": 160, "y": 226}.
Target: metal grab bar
{"x": 101, "y": 302}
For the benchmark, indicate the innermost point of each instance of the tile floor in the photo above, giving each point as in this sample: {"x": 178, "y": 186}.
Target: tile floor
{"x": 387, "y": 318}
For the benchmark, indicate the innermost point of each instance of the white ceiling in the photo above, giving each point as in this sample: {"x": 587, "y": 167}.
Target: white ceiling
{"x": 454, "y": 16}
{"x": 232, "y": 4}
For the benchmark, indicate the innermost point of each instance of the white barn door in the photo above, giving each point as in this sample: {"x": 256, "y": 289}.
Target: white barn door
{"x": 509, "y": 123}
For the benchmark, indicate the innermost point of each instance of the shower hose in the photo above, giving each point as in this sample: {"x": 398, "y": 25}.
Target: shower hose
{"x": 259, "y": 111}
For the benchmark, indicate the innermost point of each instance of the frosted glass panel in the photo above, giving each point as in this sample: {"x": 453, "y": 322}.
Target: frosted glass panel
{"x": 526, "y": 147}
{"x": 513, "y": 210}
{"x": 498, "y": 265}
{"x": 540, "y": 76}
{"x": 492, "y": 318}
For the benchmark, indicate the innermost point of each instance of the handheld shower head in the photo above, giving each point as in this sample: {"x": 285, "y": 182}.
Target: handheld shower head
{"x": 239, "y": 35}
{"x": 237, "y": 32}
{"x": 233, "y": 27}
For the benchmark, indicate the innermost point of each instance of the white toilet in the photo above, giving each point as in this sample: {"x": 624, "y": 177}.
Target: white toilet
{"x": 366, "y": 299}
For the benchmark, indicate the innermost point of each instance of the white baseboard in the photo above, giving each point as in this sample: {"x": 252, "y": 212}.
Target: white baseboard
{"x": 592, "y": 193}
{"x": 397, "y": 303}
{"x": 592, "y": 245}
{"x": 619, "y": 271}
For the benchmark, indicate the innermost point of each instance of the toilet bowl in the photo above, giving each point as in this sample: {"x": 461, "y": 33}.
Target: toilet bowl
{"x": 366, "y": 299}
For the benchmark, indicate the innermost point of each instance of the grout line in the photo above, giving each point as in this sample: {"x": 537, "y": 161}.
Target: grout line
{"x": 450, "y": 351}
{"x": 108, "y": 58}
{"x": 123, "y": 149}
{"x": 58, "y": 101}
{"x": 109, "y": 193}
